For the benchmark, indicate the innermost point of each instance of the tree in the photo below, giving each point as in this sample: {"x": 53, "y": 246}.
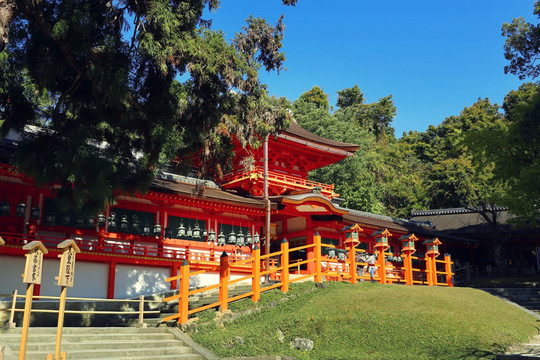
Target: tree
{"x": 511, "y": 147}
{"x": 522, "y": 46}
{"x": 102, "y": 81}
{"x": 350, "y": 97}
{"x": 317, "y": 97}
{"x": 375, "y": 117}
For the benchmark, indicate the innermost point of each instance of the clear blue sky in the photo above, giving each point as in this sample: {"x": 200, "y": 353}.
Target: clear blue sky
{"x": 434, "y": 57}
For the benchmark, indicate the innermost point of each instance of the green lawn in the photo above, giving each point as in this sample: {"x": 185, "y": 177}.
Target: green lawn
{"x": 371, "y": 321}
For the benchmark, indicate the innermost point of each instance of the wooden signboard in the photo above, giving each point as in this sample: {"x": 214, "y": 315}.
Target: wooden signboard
{"x": 34, "y": 262}
{"x": 66, "y": 274}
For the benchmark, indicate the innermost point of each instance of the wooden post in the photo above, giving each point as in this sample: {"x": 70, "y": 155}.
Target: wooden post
{"x": 66, "y": 277}
{"x": 60, "y": 326}
{"x": 284, "y": 265}
{"x": 448, "y": 270}
{"x": 224, "y": 275}
{"x": 429, "y": 270}
{"x": 141, "y": 311}
{"x": 31, "y": 276}
{"x": 183, "y": 303}
{"x": 352, "y": 264}
{"x": 318, "y": 263}
{"x": 12, "y": 324}
{"x": 174, "y": 272}
{"x": 410, "y": 270}
{"x": 256, "y": 271}
{"x": 382, "y": 266}
{"x": 26, "y": 321}
{"x": 111, "y": 279}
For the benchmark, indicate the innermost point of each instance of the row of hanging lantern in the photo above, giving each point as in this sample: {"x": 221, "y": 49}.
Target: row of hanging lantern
{"x": 20, "y": 210}
{"x": 124, "y": 225}
{"x": 233, "y": 239}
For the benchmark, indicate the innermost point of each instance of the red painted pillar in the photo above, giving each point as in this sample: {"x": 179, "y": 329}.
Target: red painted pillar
{"x": 382, "y": 266}
{"x": 174, "y": 272}
{"x": 256, "y": 270}
{"x": 112, "y": 277}
{"x": 284, "y": 265}
{"x": 224, "y": 275}
{"x": 310, "y": 253}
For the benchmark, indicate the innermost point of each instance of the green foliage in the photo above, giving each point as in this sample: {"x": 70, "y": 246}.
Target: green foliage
{"x": 384, "y": 176}
{"x": 350, "y": 97}
{"x": 522, "y": 45}
{"x": 121, "y": 88}
{"x": 317, "y": 97}
{"x": 348, "y": 322}
{"x": 510, "y": 147}
{"x": 451, "y": 180}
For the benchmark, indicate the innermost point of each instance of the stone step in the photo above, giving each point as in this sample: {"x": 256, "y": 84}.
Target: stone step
{"x": 40, "y": 338}
{"x": 514, "y": 291}
{"x": 87, "y": 330}
{"x": 153, "y": 357}
{"x": 181, "y": 352}
{"x": 101, "y": 343}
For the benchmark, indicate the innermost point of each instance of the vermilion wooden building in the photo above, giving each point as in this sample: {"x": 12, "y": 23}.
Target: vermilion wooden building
{"x": 131, "y": 247}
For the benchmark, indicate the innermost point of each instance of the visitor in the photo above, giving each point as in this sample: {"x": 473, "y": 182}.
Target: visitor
{"x": 371, "y": 267}
{"x": 359, "y": 268}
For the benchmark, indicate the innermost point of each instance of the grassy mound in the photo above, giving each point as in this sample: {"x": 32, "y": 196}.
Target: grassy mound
{"x": 370, "y": 321}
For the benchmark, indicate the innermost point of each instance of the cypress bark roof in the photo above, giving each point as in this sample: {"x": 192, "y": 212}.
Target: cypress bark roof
{"x": 297, "y": 131}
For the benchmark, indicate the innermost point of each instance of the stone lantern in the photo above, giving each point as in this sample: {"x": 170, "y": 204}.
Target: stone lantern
{"x": 381, "y": 245}
{"x": 352, "y": 238}
{"x": 408, "y": 249}
{"x": 432, "y": 251}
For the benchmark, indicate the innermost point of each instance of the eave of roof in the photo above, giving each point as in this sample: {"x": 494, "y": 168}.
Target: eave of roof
{"x": 461, "y": 210}
{"x": 298, "y": 132}
{"x": 209, "y": 193}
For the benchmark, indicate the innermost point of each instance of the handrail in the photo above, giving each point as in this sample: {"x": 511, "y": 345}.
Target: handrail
{"x": 274, "y": 175}
{"x": 332, "y": 269}
{"x": 167, "y": 252}
{"x": 140, "y": 300}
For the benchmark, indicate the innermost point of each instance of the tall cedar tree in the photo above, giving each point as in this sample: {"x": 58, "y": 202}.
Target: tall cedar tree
{"x": 117, "y": 89}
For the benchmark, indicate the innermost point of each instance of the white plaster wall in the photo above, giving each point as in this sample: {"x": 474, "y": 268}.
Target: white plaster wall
{"x": 11, "y": 269}
{"x": 90, "y": 279}
{"x": 132, "y": 281}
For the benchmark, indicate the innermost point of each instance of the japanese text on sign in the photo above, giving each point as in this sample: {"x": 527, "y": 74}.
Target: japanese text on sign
{"x": 32, "y": 270}
{"x": 67, "y": 268}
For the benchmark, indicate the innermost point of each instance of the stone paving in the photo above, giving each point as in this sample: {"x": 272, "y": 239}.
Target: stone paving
{"x": 529, "y": 350}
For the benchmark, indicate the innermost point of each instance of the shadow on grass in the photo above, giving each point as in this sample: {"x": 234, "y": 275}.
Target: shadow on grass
{"x": 473, "y": 353}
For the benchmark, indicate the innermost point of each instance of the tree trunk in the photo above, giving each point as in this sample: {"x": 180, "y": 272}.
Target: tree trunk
{"x": 8, "y": 11}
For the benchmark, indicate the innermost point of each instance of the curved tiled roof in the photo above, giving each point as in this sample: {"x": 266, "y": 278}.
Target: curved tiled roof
{"x": 298, "y": 131}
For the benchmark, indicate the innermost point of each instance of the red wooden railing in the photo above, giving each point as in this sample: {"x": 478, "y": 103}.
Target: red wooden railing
{"x": 322, "y": 266}
{"x": 291, "y": 182}
{"x": 111, "y": 246}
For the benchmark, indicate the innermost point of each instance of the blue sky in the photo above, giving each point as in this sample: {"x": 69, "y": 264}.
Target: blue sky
{"x": 433, "y": 57}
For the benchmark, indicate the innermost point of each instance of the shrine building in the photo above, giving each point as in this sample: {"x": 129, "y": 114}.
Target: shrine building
{"x": 130, "y": 248}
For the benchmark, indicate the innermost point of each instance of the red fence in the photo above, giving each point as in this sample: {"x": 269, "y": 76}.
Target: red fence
{"x": 318, "y": 267}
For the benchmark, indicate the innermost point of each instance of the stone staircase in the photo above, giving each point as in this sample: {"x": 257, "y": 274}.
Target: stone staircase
{"x": 195, "y": 302}
{"x": 529, "y": 351}
{"x": 528, "y": 297}
{"x": 118, "y": 338}
{"x": 110, "y": 343}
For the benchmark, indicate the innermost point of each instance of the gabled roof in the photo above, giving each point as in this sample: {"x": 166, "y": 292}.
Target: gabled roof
{"x": 297, "y": 131}
{"x": 201, "y": 189}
